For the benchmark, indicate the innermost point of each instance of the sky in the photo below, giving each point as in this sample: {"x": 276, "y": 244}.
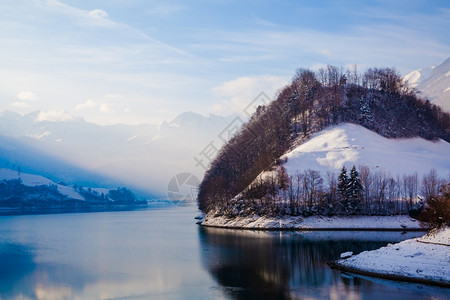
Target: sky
{"x": 145, "y": 61}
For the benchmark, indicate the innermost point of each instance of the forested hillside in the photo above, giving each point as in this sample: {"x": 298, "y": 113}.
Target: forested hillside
{"x": 377, "y": 100}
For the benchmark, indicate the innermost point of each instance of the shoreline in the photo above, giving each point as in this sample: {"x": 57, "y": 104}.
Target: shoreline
{"x": 422, "y": 260}
{"x": 320, "y": 229}
{"x": 315, "y": 223}
{"x": 14, "y": 211}
{"x": 395, "y": 277}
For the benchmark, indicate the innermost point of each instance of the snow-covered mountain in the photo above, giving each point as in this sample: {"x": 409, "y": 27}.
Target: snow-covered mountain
{"x": 350, "y": 144}
{"x": 433, "y": 82}
{"x": 145, "y": 157}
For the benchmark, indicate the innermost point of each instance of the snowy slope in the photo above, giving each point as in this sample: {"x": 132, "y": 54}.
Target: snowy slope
{"x": 35, "y": 180}
{"x": 433, "y": 82}
{"x": 350, "y": 144}
{"x": 417, "y": 76}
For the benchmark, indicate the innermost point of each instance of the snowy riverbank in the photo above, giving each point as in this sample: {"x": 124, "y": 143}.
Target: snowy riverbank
{"x": 314, "y": 222}
{"x": 423, "y": 260}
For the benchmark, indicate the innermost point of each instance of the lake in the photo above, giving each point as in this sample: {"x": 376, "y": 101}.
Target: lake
{"x": 163, "y": 254}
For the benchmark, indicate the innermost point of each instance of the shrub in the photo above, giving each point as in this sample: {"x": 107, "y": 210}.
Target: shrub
{"x": 437, "y": 209}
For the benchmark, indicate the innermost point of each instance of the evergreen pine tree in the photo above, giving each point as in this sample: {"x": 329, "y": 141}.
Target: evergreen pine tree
{"x": 343, "y": 188}
{"x": 354, "y": 189}
{"x": 365, "y": 116}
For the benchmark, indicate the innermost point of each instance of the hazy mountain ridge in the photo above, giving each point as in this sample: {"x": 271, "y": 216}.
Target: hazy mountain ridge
{"x": 17, "y": 153}
{"x": 172, "y": 151}
{"x": 143, "y": 157}
{"x": 75, "y": 138}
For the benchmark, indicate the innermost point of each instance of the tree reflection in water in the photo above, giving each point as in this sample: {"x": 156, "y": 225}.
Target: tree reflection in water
{"x": 286, "y": 265}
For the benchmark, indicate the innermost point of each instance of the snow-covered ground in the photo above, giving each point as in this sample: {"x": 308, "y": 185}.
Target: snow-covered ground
{"x": 350, "y": 144}
{"x": 425, "y": 259}
{"x": 35, "y": 180}
{"x": 314, "y": 222}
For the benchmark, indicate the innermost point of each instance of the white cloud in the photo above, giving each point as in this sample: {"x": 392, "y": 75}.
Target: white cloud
{"x": 95, "y": 17}
{"x": 237, "y": 94}
{"x": 87, "y": 104}
{"x": 20, "y": 104}
{"x": 54, "y": 116}
{"x": 27, "y": 96}
{"x": 101, "y": 106}
{"x": 98, "y": 13}
{"x": 105, "y": 108}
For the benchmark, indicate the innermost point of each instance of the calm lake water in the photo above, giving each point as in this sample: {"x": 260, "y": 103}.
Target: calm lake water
{"x": 163, "y": 254}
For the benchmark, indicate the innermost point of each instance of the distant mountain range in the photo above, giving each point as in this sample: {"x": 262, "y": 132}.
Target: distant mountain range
{"x": 142, "y": 157}
{"x": 433, "y": 82}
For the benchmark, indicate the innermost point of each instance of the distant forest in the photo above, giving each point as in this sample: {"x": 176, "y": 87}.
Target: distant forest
{"x": 378, "y": 100}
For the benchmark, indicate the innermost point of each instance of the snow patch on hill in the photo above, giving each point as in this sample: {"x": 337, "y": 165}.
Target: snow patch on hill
{"x": 350, "y": 144}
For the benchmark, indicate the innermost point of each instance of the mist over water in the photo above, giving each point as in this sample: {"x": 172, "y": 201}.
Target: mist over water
{"x": 143, "y": 158}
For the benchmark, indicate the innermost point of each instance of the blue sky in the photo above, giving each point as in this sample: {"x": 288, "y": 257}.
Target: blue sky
{"x": 137, "y": 61}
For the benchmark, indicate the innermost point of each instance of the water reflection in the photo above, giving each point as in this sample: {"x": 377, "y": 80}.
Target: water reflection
{"x": 20, "y": 275}
{"x": 126, "y": 255}
{"x": 291, "y": 265}
{"x": 16, "y": 261}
